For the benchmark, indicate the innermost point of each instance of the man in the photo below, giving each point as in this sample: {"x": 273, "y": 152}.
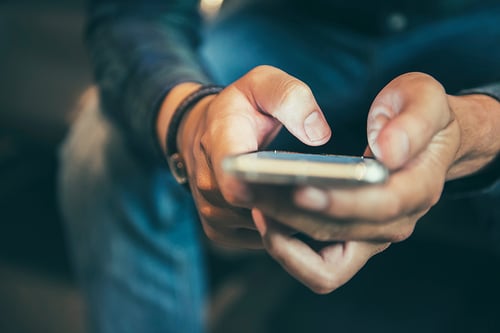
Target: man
{"x": 284, "y": 63}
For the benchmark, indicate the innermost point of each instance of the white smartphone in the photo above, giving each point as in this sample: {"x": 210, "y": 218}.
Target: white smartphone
{"x": 289, "y": 168}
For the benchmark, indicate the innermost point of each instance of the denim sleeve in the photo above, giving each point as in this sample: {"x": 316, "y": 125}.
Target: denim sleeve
{"x": 139, "y": 50}
{"x": 492, "y": 90}
{"x": 487, "y": 178}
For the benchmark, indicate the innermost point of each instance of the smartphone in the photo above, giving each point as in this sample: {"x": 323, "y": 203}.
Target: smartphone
{"x": 289, "y": 168}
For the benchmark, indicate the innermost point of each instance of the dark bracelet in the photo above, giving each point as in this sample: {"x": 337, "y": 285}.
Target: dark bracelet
{"x": 174, "y": 158}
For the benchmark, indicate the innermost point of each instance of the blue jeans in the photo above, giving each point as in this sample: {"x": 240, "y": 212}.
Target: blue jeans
{"x": 133, "y": 231}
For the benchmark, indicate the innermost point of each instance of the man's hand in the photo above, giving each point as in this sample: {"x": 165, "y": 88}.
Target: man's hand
{"x": 244, "y": 117}
{"x": 425, "y": 137}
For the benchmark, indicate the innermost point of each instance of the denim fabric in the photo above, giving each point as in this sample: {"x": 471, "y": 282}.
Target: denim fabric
{"x": 346, "y": 68}
{"x": 140, "y": 49}
{"x": 134, "y": 232}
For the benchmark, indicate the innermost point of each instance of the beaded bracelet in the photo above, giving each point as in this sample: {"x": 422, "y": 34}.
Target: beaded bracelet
{"x": 174, "y": 158}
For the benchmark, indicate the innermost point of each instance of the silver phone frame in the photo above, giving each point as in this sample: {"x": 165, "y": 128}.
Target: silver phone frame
{"x": 270, "y": 167}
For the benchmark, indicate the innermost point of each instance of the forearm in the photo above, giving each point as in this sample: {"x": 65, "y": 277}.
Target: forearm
{"x": 475, "y": 168}
{"x": 479, "y": 120}
{"x": 140, "y": 50}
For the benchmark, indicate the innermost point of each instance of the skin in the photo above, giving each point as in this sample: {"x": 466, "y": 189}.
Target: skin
{"x": 422, "y": 134}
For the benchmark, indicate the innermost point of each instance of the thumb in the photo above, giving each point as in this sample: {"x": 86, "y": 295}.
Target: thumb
{"x": 287, "y": 99}
{"x": 404, "y": 118}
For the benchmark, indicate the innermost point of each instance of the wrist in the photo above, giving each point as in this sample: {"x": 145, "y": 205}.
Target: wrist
{"x": 478, "y": 117}
{"x": 188, "y": 132}
{"x": 168, "y": 107}
{"x": 176, "y": 116}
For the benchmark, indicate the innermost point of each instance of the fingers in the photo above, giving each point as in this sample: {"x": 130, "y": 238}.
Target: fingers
{"x": 287, "y": 99}
{"x": 242, "y": 118}
{"x": 409, "y": 130}
{"x": 223, "y": 224}
{"x": 407, "y": 192}
{"x": 322, "y": 271}
{"x": 405, "y": 116}
{"x": 326, "y": 224}
{"x": 237, "y": 238}
{"x": 249, "y": 113}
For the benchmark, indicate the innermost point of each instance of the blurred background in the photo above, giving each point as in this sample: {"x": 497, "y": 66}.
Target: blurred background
{"x": 43, "y": 70}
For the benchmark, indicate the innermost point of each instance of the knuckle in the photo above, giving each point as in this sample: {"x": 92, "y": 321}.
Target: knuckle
{"x": 295, "y": 89}
{"x": 426, "y": 203}
{"x": 218, "y": 237}
{"x": 321, "y": 235}
{"x": 275, "y": 251}
{"x": 203, "y": 149}
{"x": 317, "y": 234}
{"x": 422, "y": 84}
{"x": 326, "y": 283}
{"x": 257, "y": 70}
{"x": 237, "y": 202}
{"x": 423, "y": 80}
{"x": 202, "y": 181}
{"x": 205, "y": 143}
{"x": 436, "y": 190}
{"x": 321, "y": 290}
{"x": 262, "y": 73}
{"x": 401, "y": 234}
{"x": 230, "y": 197}
{"x": 435, "y": 198}
{"x": 210, "y": 231}
{"x": 379, "y": 249}
{"x": 197, "y": 181}
{"x": 273, "y": 247}
{"x": 208, "y": 214}
{"x": 257, "y": 74}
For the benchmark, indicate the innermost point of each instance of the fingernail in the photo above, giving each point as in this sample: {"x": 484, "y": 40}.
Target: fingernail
{"x": 372, "y": 141}
{"x": 315, "y": 127}
{"x": 311, "y": 198}
{"x": 378, "y": 117}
